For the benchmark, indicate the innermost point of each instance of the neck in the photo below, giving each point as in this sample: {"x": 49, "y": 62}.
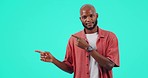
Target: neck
{"x": 91, "y": 31}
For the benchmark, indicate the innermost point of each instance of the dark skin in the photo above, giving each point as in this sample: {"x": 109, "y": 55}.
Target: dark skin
{"x": 47, "y": 57}
{"x": 88, "y": 18}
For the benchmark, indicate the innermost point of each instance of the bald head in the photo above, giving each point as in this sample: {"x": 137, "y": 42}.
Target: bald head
{"x": 87, "y": 7}
{"x": 88, "y": 17}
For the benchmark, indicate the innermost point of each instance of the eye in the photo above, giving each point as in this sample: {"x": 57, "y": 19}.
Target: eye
{"x": 84, "y": 17}
{"x": 91, "y": 15}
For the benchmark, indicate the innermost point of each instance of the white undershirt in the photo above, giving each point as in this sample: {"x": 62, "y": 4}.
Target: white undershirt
{"x": 92, "y": 39}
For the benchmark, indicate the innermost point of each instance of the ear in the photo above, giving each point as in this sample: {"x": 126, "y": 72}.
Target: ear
{"x": 80, "y": 18}
{"x": 97, "y": 15}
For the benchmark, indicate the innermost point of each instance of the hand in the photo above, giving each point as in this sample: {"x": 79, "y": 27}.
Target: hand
{"x": 45, "y": 56}
{"x": 81, "y": 42}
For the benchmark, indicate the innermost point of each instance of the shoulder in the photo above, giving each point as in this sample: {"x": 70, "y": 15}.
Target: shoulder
{"x": 107, "y": 33}
{"x": 79, "y": 34}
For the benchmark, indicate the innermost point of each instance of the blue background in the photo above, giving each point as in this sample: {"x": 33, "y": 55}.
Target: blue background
{"x": 27, "y": 25}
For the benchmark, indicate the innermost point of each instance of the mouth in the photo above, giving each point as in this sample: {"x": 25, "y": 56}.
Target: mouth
{"x": 89, "y": 24}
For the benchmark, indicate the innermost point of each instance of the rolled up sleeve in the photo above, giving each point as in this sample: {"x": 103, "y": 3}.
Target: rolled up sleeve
{"x": 113, "y": 50}
{"x": 68, "y": 57}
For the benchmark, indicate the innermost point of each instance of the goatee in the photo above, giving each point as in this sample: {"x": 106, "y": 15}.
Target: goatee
{"x": 91, "y": 28}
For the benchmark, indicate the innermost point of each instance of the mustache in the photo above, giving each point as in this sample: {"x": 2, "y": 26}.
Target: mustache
{"x": 92, "y": 22}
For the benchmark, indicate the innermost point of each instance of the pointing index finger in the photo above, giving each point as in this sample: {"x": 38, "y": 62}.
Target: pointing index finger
{"x": 76, "y": 36}
{"x": 38, "y": 51}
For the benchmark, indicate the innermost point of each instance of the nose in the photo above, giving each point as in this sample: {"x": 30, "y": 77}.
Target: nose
{"x": 88, "y": 19}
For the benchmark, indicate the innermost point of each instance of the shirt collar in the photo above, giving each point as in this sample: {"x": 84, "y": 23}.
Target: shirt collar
{"x": 100, "y": 32}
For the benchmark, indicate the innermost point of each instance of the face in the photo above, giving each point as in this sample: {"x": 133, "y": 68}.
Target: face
{"x": 89, "y": 18}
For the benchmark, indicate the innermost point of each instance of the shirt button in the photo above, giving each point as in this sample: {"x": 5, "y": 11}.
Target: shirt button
{"x": 87, "y": 56}
{"x": 87, "y": 72}
{"x": 87, "y": 64}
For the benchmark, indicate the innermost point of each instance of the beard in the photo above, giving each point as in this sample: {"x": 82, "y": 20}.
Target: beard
{"x": 91, "y": 28}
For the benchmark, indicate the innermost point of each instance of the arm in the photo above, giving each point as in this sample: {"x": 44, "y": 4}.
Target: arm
{"x": 103, "y": 61}
{"x": 62, "y": 66}
{"x": 47, "y": 57}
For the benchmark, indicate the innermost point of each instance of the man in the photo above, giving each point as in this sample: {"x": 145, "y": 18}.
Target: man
{"x": 92, "y": 52}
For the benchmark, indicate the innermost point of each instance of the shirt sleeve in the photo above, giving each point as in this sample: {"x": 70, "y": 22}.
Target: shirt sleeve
{"x": 113, "y": 50}
{"x": 68, "y": 57}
